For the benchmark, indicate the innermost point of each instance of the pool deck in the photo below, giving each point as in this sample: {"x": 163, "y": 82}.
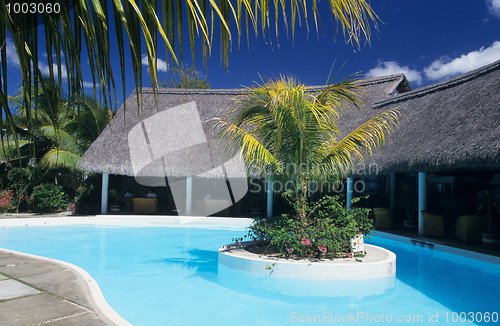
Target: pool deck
{"x": 35, "y": 291}
{"x": 42, "y": 291}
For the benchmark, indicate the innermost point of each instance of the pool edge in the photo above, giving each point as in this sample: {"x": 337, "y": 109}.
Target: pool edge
{"x": 88, "y": 285}
{"x": 440, "y": 247}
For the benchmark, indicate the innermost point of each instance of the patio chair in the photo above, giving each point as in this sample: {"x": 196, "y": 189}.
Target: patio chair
{"x": 470, "y": 228}
{"x": 383, "y": 218}
{"x": 434, "y": 224}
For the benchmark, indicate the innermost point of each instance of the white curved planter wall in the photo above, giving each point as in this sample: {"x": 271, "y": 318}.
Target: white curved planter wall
{"x": 376, "y": 273}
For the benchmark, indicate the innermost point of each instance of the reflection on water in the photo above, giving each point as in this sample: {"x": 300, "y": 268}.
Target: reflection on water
{"x": 287, "y": 288}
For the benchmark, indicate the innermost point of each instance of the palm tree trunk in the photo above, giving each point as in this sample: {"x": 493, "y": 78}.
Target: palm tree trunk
{"x": 302, "y": 183}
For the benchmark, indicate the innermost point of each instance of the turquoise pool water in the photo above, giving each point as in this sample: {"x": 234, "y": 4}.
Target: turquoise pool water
{"x": 168, "y": 276}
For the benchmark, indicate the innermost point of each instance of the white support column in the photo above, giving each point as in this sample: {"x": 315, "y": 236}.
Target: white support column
{"x": 104, "y": 193}
{"x": 349, "y": 192}
{"x": 422, "y": 200}
{"x": 392, "y": 190}
{"x": 189, "y": 195}
{"x": 269, "y": 197}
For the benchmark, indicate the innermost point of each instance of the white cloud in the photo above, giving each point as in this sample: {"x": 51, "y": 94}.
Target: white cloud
{"x": 443, "y": 68}
{"x": 392, "y": 67}
{"x": 87, "y": 84}
{"x": 494, "y": 7}
{"x": 44, "y": 69}
{"x": 12, "y": 58}
{"x": 161, "y": 65}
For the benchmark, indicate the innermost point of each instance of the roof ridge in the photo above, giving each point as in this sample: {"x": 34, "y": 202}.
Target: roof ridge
{"x": 237, "y": 91}
{"x": 208, "y": 91}
{"x": 446, "y": 84}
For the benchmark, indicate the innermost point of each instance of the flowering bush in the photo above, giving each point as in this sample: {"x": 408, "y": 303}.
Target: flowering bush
{"x": 87, "y": 200}
{"x": 325, "y": 233}
{"x": 48, "y": 198}
{"x": 7, "y": 201}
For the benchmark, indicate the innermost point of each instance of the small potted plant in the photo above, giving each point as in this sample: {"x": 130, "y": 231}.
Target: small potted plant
{"x": 116, "y": 200}
{"x": 407, "y": 200}
{"x": 488, "y": 201}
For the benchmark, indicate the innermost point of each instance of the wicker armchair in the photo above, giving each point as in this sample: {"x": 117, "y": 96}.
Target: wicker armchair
{"x": 383, "y": 218}
{"x": 434, "y": 224}
{"x": 470, "y": 228}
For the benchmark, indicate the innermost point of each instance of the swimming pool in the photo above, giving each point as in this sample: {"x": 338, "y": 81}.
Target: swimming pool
{"x": 156, "y": 275}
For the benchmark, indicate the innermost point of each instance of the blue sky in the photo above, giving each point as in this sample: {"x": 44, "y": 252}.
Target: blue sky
{"x": 427, "y": 40}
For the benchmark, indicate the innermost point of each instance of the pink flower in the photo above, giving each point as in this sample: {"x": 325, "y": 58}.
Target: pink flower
{"x": 322, "y": 248}
{"x": 38, "y": 186}
{"x": 305, "y": 242}
{"x": 290, "y": 250}
{"x": 58, "y": 210}
{"x": 349, "y": 255}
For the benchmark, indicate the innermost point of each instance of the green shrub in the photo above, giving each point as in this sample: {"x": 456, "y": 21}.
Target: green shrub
{"x": 24, "y": 180}
{"x": 48, "y": 198}
{"x": 325, "y": 233}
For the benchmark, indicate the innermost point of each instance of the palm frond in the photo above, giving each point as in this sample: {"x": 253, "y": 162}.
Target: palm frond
{"x": 61, "y": 158}
{"x": 240, "y": 142}
{"x": 362, "y": 140}
{"x": 9, "y": 148}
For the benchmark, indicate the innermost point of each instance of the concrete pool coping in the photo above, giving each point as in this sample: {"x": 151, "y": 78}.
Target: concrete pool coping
{"x": 37, "y": 290}
{"x": 99, "y": 312}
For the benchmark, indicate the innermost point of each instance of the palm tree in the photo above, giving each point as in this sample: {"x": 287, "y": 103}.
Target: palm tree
{"x": 59, "y": 135}
{"x": 284, "y": 130}
{"x": 71, "y": 27}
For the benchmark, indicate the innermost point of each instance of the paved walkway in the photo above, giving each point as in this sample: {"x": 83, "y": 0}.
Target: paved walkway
{"x": 39, "y": 292}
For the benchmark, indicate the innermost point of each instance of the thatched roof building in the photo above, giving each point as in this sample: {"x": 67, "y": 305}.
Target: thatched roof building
{"x": 451, "y": 125}
{"x": 111, "y": 152}
{"x": 454, "y": 124}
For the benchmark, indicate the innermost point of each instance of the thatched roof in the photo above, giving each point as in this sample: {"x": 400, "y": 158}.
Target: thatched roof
{"x": 451, "y": 125}
{"x": 110, "y": 153}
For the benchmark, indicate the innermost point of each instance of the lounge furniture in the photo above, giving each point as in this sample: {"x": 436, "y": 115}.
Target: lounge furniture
{"x": 145, "y": 205}
{"x": 470, "y": 228}
{"x": 383, "y": 218}
{"x": 434, "y": 224}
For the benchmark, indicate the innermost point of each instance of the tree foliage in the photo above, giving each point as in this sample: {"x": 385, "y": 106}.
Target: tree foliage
{"x": 287, "y": 131}
{"x": 186, "y": 78}
{"x": 58, "y": 135}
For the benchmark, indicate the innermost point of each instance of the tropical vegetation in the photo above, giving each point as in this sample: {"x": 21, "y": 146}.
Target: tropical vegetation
{"x": 289, "y": 133}
{"x": 51, "y": 144}
{"x": 60, "y": 130}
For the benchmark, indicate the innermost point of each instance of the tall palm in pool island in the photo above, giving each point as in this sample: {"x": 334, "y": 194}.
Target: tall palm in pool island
{"x": 288, "y": 132}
